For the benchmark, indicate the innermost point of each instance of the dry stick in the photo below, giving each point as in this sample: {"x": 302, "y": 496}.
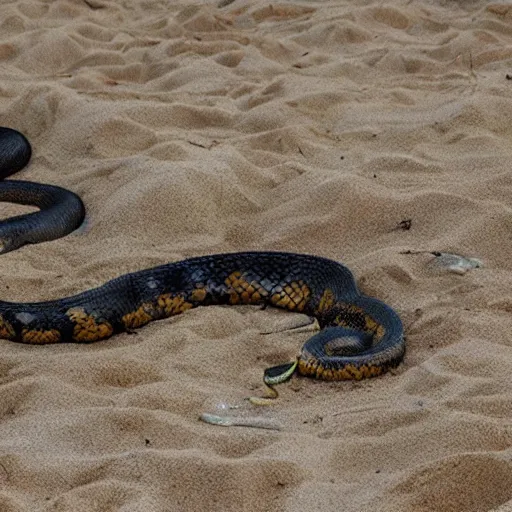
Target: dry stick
{"x": 232, "y": 421}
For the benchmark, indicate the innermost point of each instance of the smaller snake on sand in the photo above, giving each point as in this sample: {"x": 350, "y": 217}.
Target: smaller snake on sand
{"x": 360, "y": 336}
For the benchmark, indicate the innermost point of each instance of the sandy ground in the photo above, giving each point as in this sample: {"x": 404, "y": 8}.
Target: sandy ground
{"x": 191, "y": 128}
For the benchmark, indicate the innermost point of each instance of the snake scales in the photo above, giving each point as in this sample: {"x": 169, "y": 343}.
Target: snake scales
{"x": 360, "y": 336}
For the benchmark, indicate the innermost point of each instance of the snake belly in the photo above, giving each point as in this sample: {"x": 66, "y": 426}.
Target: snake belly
{"x": 300, "y": 283}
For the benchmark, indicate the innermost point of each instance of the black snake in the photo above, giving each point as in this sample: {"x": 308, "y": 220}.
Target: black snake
{"x": 360, "y": 336}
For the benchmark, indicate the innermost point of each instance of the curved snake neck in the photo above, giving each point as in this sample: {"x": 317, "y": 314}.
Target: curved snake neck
{"x": 360, "y": 337}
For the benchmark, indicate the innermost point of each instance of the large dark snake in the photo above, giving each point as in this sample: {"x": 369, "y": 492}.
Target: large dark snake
{"x": 360, "y": 336}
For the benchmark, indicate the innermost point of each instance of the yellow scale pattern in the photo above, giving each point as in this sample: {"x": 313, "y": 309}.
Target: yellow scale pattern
{"x": 164, "y": 306}
{"x": 327, "y": 301}
{"x": 199, "y": 294}
{"x": 349, "y": 371}
{"x": 87, "y": 328}
{"x": 6, "y": 329}
{"x": 242, "y": 292}
{"x": 40, "y": 336}
{"x": 139, "y": 317}
{"x": 367, "y": 323}
{"x": 294, "y": 296}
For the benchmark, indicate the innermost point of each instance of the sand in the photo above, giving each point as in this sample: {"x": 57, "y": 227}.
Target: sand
{"x": 192, "y": 128}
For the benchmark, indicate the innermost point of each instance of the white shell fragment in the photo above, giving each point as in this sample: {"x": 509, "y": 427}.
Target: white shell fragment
{"x": 455, "y": 263}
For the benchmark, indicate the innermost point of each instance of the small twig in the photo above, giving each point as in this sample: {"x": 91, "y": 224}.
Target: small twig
{"x": 204, "y": 146}
{"x": 93, "y": 4}
{"x": 6, "y": 473}
{"x": 232, "y": 421}
{"x": 310, "y": 325}
{"x": 410, "y": 251}
{"x": 197, "y": 144}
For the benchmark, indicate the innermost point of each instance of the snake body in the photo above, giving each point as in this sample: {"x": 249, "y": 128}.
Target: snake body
{"x": 61, "y": 211}
{"x": 360, "y": 336}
